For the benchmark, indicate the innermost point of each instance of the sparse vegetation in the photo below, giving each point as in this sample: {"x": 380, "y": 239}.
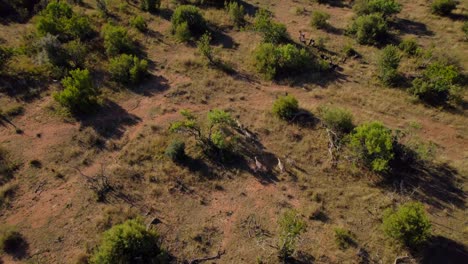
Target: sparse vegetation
{"x": 388, "y": 63}
{"x": 409, "y": 46}
{"x": 291, "y": 227}
{"x": 139, "y": 23}
{"x": 286, "y": 107}
{"x": 443, "y": 7}
{"x": 408, "y": 225}
{"x": 204, "y": 47}
{"x": 343, "y": 238}
{"x": 236, "y": 13}
{"x": 79, "y": 94}
{"x": 372, "y": 143}
{"x": 337, "y": 119}
{"x": 129, "y": 241}
{"x": 369, "y": 29}
{"x": 272, "y": 32}
{"x": 319, "y": 19}
{"x": 128, "y": 69}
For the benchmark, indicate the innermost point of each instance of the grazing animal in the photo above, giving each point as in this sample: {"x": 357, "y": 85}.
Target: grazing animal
{"x": 258, "y": 165}
{"x": 280, "y": 166}
{"x": 311, "y": 43}
{"x": 302, "y": 37}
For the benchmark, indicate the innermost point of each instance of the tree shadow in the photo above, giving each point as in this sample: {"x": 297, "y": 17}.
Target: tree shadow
{"x": 301, "y": 257}
{"x": 458, "y": 16}
{"x": 305, "y": 118}
{"x": 166, "y": 13}
{"x": 17, "y": 248}
{"x": 442, "y": 250}
{"x": 221, "y": 38}
{"x": 428, "y": 182}
{"x": 338, "y": 3}
{"x": 412, "y": 27}
{"x": 23, "y": 86}
{"x": 250, "y": 9}
{"x": 151, "y": 86}
{"x": 110, "y": 120}
{"x": 334, "y": 30}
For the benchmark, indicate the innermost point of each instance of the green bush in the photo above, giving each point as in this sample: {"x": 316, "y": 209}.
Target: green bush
{"x": 76, "y": 52}
{"x": 150, "y": 5}
{"x": 272, "y": 32}
{"x": 139, "y": 23}
{"x": 175, "y": 151}
{"x": 182, "y": 32}
{"x": 408, "y": 225}
{"x": 343, "y": 238}
{"x": 349, "y": 51}
{"x": 236, "y": 13}
{"x": 10, "y": 240}
{"x": 372, "y": 143}
{"x": 79, "y": 94}
{"x": 128, "y": 69}
{"x": 384, "y": 7}
{"x": 388, "y": 63}
{"x": 291, "y": 227}
{"x": 204, "y": 47}
{"x": 117, "y": 40}
{"x": 409, "y": 46}
{"x": 337, "y": 119}
{"x": 443, "y": 7}
{"x": 369, "y": 29}
{"x": 438, "y": 84}
{"x": 272, "y": 60}
{"x": 190, "y": 15}
{"x": 286, "y": 107}
{"x": 129, "y": 242}
{"x": 58, "y": 19}
{"x": 319, "y": 19}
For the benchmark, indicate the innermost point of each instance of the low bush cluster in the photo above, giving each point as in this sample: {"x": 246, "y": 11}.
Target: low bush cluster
{"x": 388, "y": 63}
{"x": 384, "y": 7}
{"x": 337, "y": 119}
{"x": 319, "y": 19}
{"x": 188, "y": 21}
{"x": 409, "y": 46}
{"x": 117, "y": 40}
{"x": 369, "y": 29}
{"x": 139, "y": 23}
{"x": 128, "y": 69}
{"x": 285, "y": 107}
{"x": 372, "y": 143}
{"x": 408, "y": 225}
{"x": 443, "y": 7}
{"x": 127, "y": 242}
{"x": 272, "y": 32}
{"x": 274, "y": 61}
{"x": 291, "y": 226}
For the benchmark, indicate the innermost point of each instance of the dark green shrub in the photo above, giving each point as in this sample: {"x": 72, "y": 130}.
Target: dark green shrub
{"x": 372, "y": 143}
{"x": 191, "y": 16}
{"x": 286, "y": 107}
{"x": 409, "y": 46}
{"x": 128, "y": 69}
{"x": 129, "y": 242}
{"x": 349, "y": 51}
{"x": 175, "y": 151}
{"x": 204, "y": 47}
{"x": 337, "y": 119}
{"x": 384, "y": 7}
{"x": 319, "y": 19}
{"x": 272, "y": 32}
{"x": 369, "y": 29}
{"x": 10, "y": 240}
{"x": 236, "y": 13}
{"x": 102, "y": 7}
{"x": 273, "y": 61}
{"x": 5, "y": 55}
{"x": 139, "y": 23}
{"x": 79, "y": 94}
{"x": 58, "y": 19}
{"x": 150, "y": 5}
{"x": 343, "y": 238}
{"x": 117, "y": 40}
{"x": 438, "y": 84}
{"x": 389, "y": 60}
{"x": 291, "y": 226}
{"x": 76, "y": 52}
{"x": 408, "y": 225}
{"x": 443, "y": 7}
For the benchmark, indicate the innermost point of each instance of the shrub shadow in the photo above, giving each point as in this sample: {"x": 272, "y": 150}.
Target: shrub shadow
{"x": 110, "y": 120}
{"x": 250, "y": 9}
{"x": 412, "y": 27}
{"x": 23, "y": 86}
{"x": 17, "y": 249}
{"x": 442, "y": 250}
{"x": 151, "y": 86}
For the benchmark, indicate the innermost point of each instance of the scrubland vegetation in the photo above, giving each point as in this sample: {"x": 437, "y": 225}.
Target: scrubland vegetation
{"x": 190, "y": 131}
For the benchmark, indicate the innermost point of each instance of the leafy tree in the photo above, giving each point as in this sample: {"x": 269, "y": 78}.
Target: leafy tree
{"x": 373, "y": 144}
{"x": 191, "y": 15}
{"x": 117, "y": 40}
{"x": 204, "y": 47}
{"x": 438, "y": 84}
{"x": 236, "y": 13}
{"x": 291, "y": 227}
{"x": 443, "y": 7}
{"x": 272, "y": 32}
{"x": 139, "y": 23}
{"x": 128, "y": 69}
{"x": 79, "y": 94}
{"x": 337, "y": 119}
{"x": 384, "y": 7}
{"x": 150, "y": 5}
{"x": 59, "y": 19}
{"x": 369, "y": 29}
{"x": 286, "y": 107}
{"x": 389, "y": 60}
{"x": 408, "y": 225}
{"x": 319, "y": 19}
{"x": 129, "y": 242}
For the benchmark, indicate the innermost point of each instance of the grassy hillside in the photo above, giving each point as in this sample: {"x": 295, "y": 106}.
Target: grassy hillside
{"x": 82, "y": 152}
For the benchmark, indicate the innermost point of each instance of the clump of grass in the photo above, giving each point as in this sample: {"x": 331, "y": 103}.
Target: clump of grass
{"x": 7, "y": 191}
{"x": 344, "y": 238}
{"x": 319, "y": 19}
